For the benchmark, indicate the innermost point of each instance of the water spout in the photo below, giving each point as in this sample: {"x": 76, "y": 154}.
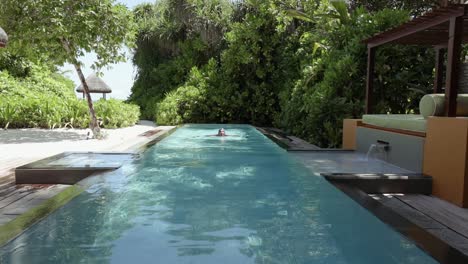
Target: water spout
{"x": 378, "y": 150}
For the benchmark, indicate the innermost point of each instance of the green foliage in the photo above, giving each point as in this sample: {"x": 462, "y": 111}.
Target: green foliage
{"x": 188, "y": 104}
{"x": 173, "y": 37}
{"x": 298, "y": 65}
{"x": 115, "y": 113}
{"x": 16, "y": 65}
{"x": 46, "y": 99}
{"x": 181, "y": 106}
{"x": 62, "y": 31}
{"x": 415, "y": 7}
{"x": 38, "y": 29}
{"x": 332, "y": 87}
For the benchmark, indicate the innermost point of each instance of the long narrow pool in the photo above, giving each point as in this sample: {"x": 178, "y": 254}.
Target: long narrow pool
{"x": 195, "y": 198}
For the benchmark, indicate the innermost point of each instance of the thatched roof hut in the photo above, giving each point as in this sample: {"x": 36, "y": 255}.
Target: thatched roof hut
{"x": 3, "y": 38}
{"x": 95, "y": 85}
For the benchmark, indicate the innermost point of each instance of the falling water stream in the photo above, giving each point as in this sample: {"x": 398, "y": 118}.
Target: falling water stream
{"x": 377, "y": 151}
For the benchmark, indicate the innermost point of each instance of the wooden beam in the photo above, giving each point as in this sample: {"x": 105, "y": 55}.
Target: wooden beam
{"x": 410, "y": 28}
{"x": 453, "y": 65}
{"x": 394, "y": 130}
{"x": 370, "y": 79}
{"x": 439, "y": 70}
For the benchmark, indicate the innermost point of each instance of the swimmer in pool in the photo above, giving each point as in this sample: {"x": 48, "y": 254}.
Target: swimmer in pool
{"x": 221, "y": 133}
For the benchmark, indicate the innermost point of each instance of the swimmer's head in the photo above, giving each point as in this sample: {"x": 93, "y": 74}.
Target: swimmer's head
{"x": 221, "y": 132}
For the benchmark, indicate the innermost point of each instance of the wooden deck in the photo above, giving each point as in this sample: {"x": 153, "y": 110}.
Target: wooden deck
{"x": 8, "y": 165}
{"x": 440, "y": 218}
{"x": 17, "y": 199}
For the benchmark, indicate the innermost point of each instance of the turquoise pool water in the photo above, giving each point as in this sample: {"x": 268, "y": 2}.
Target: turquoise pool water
{"x": 194, "y": 198}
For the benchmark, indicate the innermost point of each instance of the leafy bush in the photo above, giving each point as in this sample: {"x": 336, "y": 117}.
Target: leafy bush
{"x": 297, "y": 65}
{"x": 115, "y": 113}
{"x": 187, "y": 104}
{"x": 174, "y": 37}
{"x": 181, "y": 106}
{"x": 332, "y": 87}
{"x": 14, "y": 64}
{"x": 46, "y": 100}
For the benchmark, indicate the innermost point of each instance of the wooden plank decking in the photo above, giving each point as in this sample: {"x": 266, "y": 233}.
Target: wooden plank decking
{"x": 452, "y": 216}
{"x": 440, "y": 218}
{"x": 18, "y": 199}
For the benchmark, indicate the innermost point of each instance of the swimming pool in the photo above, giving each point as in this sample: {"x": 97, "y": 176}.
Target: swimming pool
{"x": 194, "y": 198}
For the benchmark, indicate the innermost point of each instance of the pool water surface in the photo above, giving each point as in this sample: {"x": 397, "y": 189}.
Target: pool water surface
{"x": 196, "y": 198}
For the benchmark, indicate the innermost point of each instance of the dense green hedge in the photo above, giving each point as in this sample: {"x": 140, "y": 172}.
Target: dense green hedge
{"x": 43, "y": 99}
{"x": 297, "y": 65}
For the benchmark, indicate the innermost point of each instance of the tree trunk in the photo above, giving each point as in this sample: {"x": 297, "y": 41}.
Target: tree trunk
{"x": 94, "y": 125}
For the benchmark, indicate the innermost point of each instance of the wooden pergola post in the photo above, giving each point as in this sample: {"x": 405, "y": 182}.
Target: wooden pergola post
{"x": 453, "y": 65}
{"x": 370, "y": 79}
{"x": 439, "y": 69}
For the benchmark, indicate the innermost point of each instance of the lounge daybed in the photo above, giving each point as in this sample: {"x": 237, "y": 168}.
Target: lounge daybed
{"x": 416, "y": 125}
{"x": 405, "y": 134}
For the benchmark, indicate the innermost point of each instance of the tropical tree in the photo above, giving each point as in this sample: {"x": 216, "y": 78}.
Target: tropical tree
{"x": 63, "y": 30}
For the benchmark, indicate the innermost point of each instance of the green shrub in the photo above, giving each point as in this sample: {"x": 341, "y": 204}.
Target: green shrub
{"x": 115, "y": 113}
{"x": 297, "y": 65}
{"x": 15, "y": 65}
{"x": 183, "y": 105}
{"x": 46, "y": 100}
{"x": 332, "y": 87}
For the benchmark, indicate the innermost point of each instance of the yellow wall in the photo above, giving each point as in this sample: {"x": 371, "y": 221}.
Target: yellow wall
{"x": 349, "y": 133}
{"x": 446, "y": 158}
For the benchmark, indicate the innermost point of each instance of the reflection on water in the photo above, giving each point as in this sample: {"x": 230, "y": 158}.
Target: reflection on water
{"x": 198, "y": 199}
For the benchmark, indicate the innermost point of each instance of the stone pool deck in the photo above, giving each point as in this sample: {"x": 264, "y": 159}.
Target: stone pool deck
{"x": 28, "y": 145}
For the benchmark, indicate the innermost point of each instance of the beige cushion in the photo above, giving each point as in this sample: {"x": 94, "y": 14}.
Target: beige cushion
{"x": 434, "y": 105}
{"x": 406, "y": 122}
